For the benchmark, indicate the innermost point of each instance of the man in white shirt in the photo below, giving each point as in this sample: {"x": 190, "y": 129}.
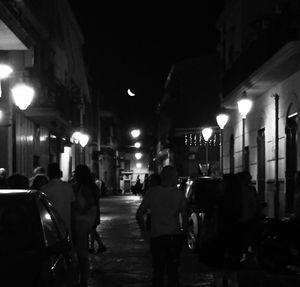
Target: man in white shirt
{"x": 167, "y": 205}
{"x": 59, "y": 193}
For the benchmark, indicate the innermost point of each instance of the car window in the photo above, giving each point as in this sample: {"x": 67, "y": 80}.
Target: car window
{"x": 50, "y": 231}
{"x": 20, "y": 228}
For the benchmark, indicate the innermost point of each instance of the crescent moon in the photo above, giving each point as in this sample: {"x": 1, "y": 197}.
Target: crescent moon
{"x": 130, "y": 93}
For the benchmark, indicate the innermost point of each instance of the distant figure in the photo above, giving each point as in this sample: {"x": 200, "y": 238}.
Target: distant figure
{"x": 39, "y": 181}
{"x": 18, "y": 181}
{"x": 137, "y": 188}
{"x": 94, "y": 235}
{"x": 3, "y": 178}
{"x": 166, "y": 204}
{"x": 37, "y": 170}
{"x": 59, "y": 193}
{"x": 145, "y": 184}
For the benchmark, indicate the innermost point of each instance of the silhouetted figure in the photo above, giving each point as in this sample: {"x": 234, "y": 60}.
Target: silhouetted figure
{"x": 18, "y": 181}
{"x": 228, "y": 251}
{"x": 84, "y": 218}
{"x": 167, "y": 232}
{"x": 37, "y": 170}
{"x": 39, "y": 181}
{"x": 94, "y": 235}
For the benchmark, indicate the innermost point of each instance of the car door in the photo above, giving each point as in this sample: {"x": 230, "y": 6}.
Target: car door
{"x": 57, "y": 246}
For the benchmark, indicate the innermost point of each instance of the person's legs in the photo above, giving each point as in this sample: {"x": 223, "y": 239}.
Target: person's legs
{"x": 158, "y": 252}
{"x": 173, "y": 247}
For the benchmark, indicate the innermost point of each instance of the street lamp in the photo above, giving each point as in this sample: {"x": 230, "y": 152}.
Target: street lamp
{"x": 22, "y": 95}
{"x": 81, "y": 138}
{"x": 206, "y": 133}
{"x": 244, "y": 105}
{"x": 5, "y": 71}
{"x": 138, "y": 155}
{"x": 137, "y": 145}
{"x": 222, "y": 120}
{"x": 135, "y": 133}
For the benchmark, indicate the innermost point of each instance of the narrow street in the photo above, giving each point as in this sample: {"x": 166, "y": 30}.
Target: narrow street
{"x": 127, "y": 261}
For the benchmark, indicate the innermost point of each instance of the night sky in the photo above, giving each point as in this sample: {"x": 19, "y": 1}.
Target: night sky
{"x": 135, "y": 46}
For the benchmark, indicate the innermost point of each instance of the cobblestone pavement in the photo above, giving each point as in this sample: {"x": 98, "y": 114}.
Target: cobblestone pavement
{"x": 127, "y": 261}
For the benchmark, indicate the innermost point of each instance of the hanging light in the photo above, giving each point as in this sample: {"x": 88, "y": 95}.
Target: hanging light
{"x": 137, "y": 145}
{"x": 22, "y": 95}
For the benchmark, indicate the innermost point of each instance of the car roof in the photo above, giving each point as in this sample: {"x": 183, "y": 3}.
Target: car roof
{"x": 18, "y": 192}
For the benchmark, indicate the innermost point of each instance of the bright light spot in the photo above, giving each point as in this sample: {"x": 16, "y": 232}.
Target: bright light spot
{"x": 1, "y": 115}
{"x": 207, "y": 132}
{"x": 135, "y": 133}
{"x": 138, "y": 155}
{"x": 130, "y": 93}
{"x": 244, "y": 106}
{"x": 222, "y": 120}
{"x": 22, "y": 95}
{"x": 138, "y": 165}
{"x": 75, "y": 137}
{"x": 84, "y": 139}
{"x": 5, "y": 71}
{"x": 47, "y": 216}
{"x": 137, "y": 145}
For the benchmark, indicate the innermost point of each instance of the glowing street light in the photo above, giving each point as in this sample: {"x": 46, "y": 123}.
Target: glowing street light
{"x": 138, "y": 155}
{"x": 22, "y": 95}
{"x": 135, "y": 133}
{"x": 222, "y": 120}
{"x": 244, "y": 105}
{"x": 137, "y": 145}
{"x": 207, "y": 132}
{"x": 80, "y": 138}
{"x": 5, "y": 71}
{"x": 138, "y": 165}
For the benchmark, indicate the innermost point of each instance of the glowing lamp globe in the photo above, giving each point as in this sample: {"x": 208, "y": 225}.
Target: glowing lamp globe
{"x": 22, "y": 96}
{"x": 222, "y": 120}
{"x": 207, "y": 132}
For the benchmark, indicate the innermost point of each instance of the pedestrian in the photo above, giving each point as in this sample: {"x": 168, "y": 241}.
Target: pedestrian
{"x": 228, "y": 251}
{"x": 94, "y": 235}
{"x": 250, "y": 216}
{"x": 145, "y": 186}
{"x": 3, "y": 178}
{"x": 166, "y": 204}
{"x": 59, "y": 193}
{"x": 18, "y": 181}
{"x": 83, "y": 218}
{"x": 37, "y": 170}
{"x": 39, "y": 181}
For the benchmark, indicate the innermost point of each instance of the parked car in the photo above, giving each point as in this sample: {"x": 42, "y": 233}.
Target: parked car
{"x": 201, "y": 194}
{"x": 35, "y": 246}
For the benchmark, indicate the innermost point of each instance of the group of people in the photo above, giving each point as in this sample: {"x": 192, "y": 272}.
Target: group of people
{"x": 236, "y": 214}
{"x": 77, "y": 202}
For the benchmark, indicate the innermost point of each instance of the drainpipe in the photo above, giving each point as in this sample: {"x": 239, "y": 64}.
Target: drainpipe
{"x": 276, "y": 195}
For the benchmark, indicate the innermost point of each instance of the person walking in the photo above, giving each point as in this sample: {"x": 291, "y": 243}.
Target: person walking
{"x": 167, "y": 205}
{"x": 84, "y": 213}
{"x": 59, "y": 193}
{"x": 94, "y": 235}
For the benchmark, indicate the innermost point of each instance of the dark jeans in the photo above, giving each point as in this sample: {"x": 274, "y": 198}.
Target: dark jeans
{"x": 165, "y": 251}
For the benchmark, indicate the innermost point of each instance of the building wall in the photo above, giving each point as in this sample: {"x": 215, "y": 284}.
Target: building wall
{"x": 262, "y": 115}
